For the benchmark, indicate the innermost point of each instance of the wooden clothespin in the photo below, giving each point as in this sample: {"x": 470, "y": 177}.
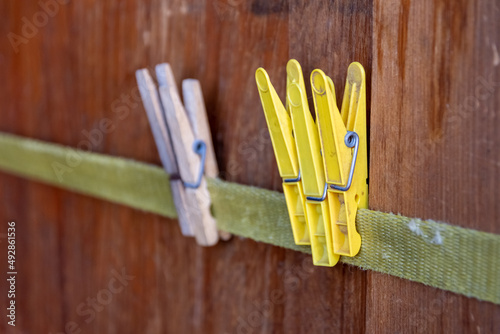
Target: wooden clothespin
{"x": 154, "y": 111}
{"x": 185, "y": 145}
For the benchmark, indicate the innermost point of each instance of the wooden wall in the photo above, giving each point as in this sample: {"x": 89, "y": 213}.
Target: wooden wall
{"x": 434, "y": 153}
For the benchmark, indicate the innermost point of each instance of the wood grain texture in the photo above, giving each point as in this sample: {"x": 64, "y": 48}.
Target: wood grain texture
{"x": 434, "y": 145}
{"x": 78, "y": 69}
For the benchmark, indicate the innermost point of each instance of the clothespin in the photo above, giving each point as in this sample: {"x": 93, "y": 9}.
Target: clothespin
{"x": 185, "y": 146}
{"x": 311, "y": 166}
{"x": 331, "y": 176}
{"x": 303, "y": 147}
{"x": 280, "y": 129}
{"x": 154, "y": 111}
{"x": 344, "y": 151}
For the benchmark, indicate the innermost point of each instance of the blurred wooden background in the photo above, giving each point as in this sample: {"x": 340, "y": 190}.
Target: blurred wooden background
{"x": 433, "y": 78}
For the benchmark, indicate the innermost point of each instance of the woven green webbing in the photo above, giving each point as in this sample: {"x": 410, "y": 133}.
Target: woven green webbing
{"x": 437, "y": 254}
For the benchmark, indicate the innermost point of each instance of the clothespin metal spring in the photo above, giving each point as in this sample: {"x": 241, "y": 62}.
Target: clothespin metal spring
{"x": 200, "y": 148}
{"x": 297, "y": 179}
{"x": 351, "y": 140}
{"x": 319, "y": 199}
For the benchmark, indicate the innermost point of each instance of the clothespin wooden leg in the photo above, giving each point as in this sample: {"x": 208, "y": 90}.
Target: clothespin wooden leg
{"x": 152, "y": 104}
{"x": 183, "y": 139}
{"x": 197, "y": 114}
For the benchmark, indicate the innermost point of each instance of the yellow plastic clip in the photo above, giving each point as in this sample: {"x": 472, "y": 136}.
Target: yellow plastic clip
{"x": 311, "y": 166}
{"x": 280, "y": 129}
{"x": 344, "y": 148}
{"x": 324, "y": 194}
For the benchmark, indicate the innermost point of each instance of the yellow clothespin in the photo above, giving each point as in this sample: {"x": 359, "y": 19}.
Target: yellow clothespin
{"x": 344, "y": 151}
{"x": 280, "y": 129}
{"x": 299, "y": 148}
{"x": 311, "y": 166}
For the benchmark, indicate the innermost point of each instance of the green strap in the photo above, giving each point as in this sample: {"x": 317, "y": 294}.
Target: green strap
{"x": 437, "y": 254}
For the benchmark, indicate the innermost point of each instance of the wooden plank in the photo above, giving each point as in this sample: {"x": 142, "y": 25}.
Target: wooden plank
{"x": 434, "y": 145}
{"x": 331, "y": 36}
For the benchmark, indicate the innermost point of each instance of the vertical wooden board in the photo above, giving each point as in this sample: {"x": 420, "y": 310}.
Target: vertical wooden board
{"x": 434, "y": 145}
{"x": 263, "y": 298}
{"x": 259, "y": 38}
{"x": 330, "y": 36}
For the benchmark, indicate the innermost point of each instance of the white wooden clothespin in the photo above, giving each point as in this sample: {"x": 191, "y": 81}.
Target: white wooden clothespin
{"x": 185, "y": 146}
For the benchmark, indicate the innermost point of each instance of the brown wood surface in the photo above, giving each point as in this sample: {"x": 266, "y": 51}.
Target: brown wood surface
{"x": 435, "y": 149}
{"x": 433, "y": 75}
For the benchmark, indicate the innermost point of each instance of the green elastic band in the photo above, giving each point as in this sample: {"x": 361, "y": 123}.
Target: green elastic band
{"x": 437, "y": 254}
